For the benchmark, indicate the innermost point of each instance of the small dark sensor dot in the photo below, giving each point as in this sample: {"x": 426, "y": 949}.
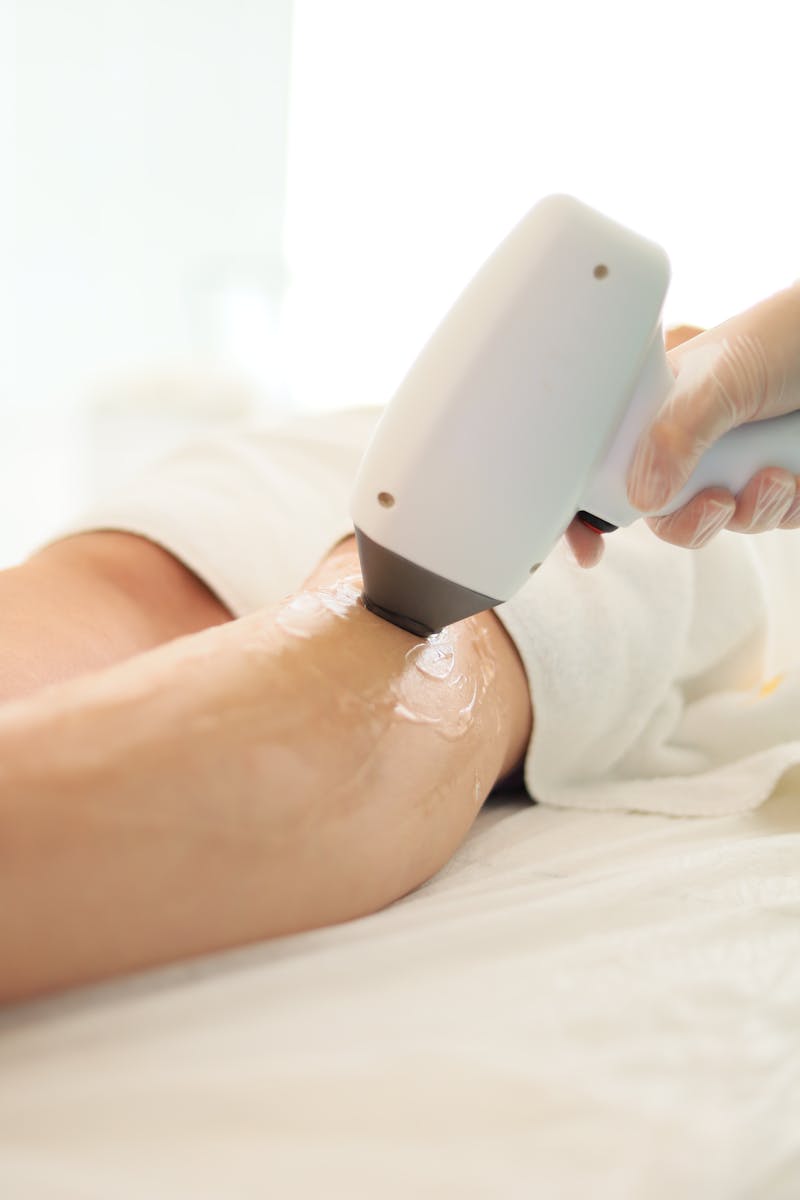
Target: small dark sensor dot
{"x": 600, "y": 271}
{"x": 386, "y": 499}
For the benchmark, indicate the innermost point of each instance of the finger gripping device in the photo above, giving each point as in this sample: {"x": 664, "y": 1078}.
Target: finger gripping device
{"x": 523, "y": 410}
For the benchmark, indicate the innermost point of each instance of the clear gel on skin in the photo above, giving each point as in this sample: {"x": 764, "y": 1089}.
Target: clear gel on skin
{"x": 416, "y": 693}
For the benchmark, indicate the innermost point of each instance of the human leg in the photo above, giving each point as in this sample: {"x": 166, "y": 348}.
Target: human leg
{"x": 88, "y": 601}
{"x": 296, "y": 768}
{"x": 225, "y": 526}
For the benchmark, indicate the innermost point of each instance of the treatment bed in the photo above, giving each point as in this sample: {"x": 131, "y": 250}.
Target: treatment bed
{"x": 580, "y": 1004}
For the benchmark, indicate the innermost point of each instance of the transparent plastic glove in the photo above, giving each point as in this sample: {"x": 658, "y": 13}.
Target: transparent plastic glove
{"x": 747, "y": 369}
{"x": 587, "y": 544}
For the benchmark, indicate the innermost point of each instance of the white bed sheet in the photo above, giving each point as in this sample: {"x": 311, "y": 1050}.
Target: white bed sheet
{"x": 580, "y": 1004}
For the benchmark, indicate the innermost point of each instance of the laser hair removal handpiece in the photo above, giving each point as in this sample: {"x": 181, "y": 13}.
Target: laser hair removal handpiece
{"x": 523, "y": 409}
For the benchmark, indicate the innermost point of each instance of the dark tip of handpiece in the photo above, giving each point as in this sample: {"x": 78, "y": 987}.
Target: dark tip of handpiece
{"x": 395, "y": 586}
{"x": 398, "y": 619}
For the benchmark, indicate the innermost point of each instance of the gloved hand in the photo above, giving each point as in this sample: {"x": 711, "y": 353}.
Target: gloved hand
{"x": 744, "y": 370}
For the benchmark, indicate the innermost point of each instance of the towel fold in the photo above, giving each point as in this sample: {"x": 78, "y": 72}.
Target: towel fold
{"x": 663, "y": 680}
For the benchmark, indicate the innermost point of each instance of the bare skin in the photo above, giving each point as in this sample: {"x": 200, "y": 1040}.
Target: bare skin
{"x": 89, "y": 601}
{"x": 300, "y": 767}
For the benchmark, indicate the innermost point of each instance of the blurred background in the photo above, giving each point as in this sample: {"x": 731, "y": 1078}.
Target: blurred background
{"x": 218, "y": 209}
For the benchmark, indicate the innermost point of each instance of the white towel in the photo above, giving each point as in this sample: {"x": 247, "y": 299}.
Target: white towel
{"x": 662, "y": 681}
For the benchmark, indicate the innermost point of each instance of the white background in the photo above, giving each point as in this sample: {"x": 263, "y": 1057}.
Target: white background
{"x": 146, "y": 262}
{"x": 144, "y": 243}
{"x": 422, "y": 131}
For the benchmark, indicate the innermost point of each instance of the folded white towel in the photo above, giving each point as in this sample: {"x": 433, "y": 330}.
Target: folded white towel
{"x": 662, "y": 681}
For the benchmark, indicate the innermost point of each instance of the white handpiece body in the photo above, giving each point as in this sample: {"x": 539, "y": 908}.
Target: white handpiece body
{"x": 526, "y": 405}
